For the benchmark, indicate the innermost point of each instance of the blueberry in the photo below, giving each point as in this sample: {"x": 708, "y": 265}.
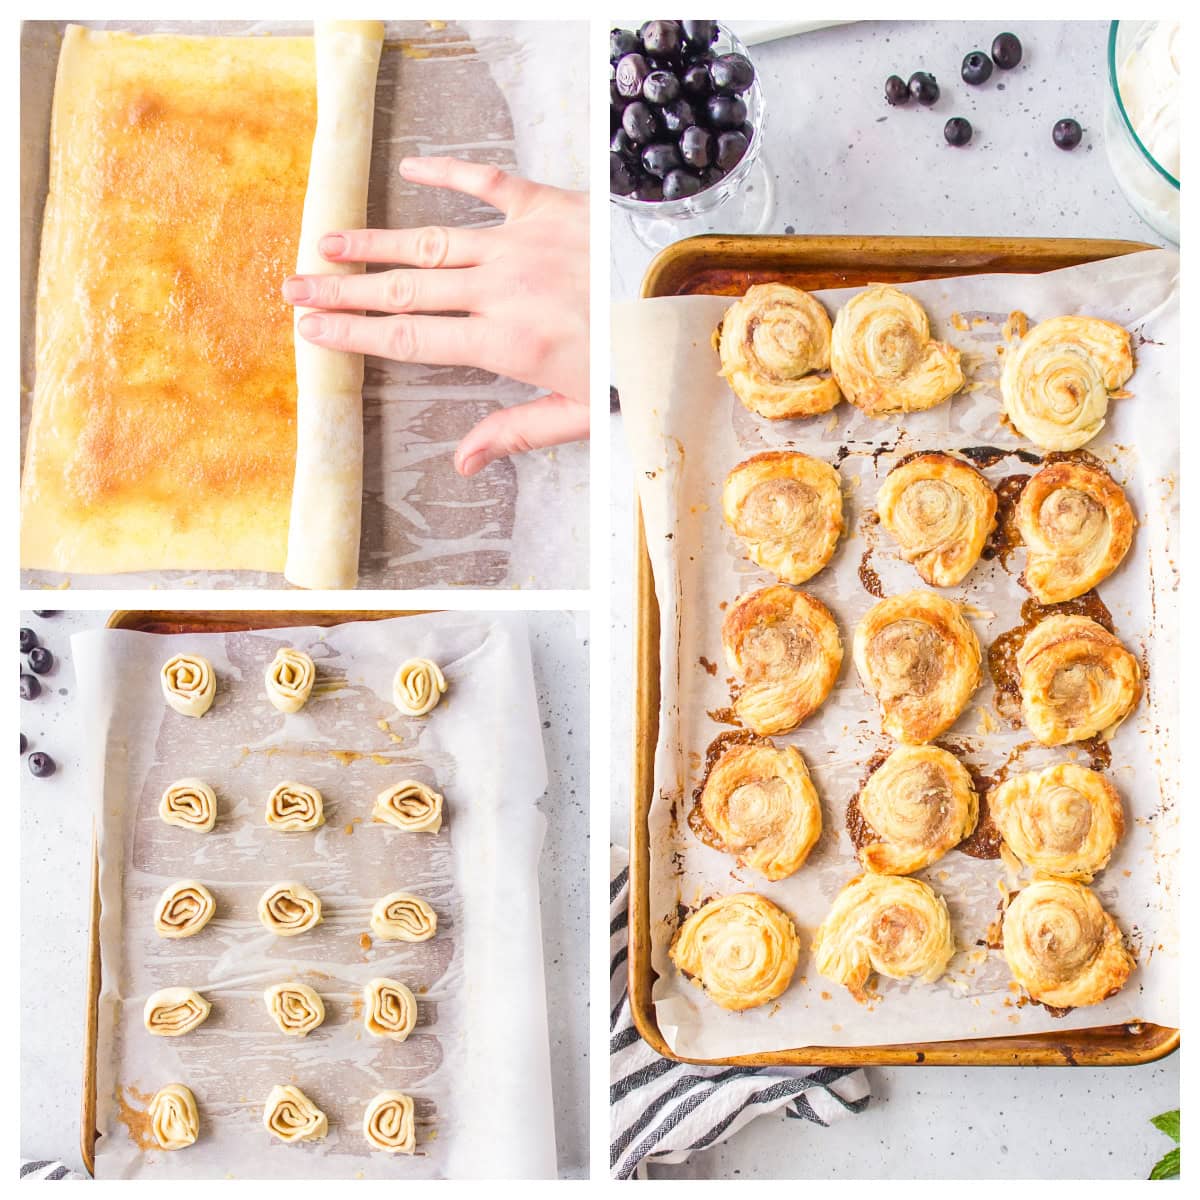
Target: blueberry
{"x": 895, "y": 90}
{"x": 42, "y": 765}
{"x": 923, "y": 88}
{"x": 678, "y": 116}
{"x": 640, "y": 123}
{"x": 661, "y": 87}
{"x": 661, "y": 158}
{"x": 648, "y": 189}
{"x": 1068, "y": 133}
{"x": 726, "y": 112}
{"x": 731, "y": 74}
{"x": 662, "y": 39}
{"x": 1006, "y": 51}
{"x": 620, "y": 144}
{"x": 46, "y": 613}
{"x": 698, "y": 36}
{"x": 697, "y": 82}
{"x": 976, "y": 68}
{"x": 24, "y": 743}
{"x": 958, "y": 131}
{"x": 30, "y": 688}
{"x": 731, "y": 147}
{"x": 711, "y": 175}
{"x": 679, "y": 184}
{"x": 29, "y": 639}
{"x": 40, "y": 660}
{"x": 632, "y": 70}
{"x": 696, "y": 147}
{"x": 622, "y": 42}
{"x": 621, "y": 178}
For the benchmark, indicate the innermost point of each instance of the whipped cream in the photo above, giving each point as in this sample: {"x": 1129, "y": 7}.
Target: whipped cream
{"x": 1149, "y": 80}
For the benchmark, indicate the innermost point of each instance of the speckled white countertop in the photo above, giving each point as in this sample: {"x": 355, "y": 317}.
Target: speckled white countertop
{"x": 56, "y": 829}
{"x": 843, "y": 162}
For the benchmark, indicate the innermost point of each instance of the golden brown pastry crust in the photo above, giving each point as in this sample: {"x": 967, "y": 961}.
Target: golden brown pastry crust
{"x": 1062, "y": 947}
{"x": 785, "y": 648}
{"x": 742, "y": 950}
{"x": 774, "y": 347}
{"x": 940, "y": 510}
{"x": 918, "y": 656}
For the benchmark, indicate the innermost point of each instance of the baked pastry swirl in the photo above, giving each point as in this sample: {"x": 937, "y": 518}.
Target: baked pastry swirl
{"x": 774, "y": 347}
{"x": 190, "y": 804}
{"x": 295, "y": 1008}
{"x": 418, "y": 686}
{"x": 918, "y": 656}
{"x": 1076, "y": 680}
{"x": 919, "y": 804}
{"x": 410, "y": 805}
{"x": 174, "y": 1011}
{"x": 1056, "y": 381}
{"x": 787, "y": 509}
{"x": 389, "y": 1124}
{"x": 883, "y": 357}
{"x": 389, "y": 1009}
{"x": 889, "y": 924}
{"x": 1062, "y": 821}
{"x": 742, "y": 950}
{"x": 1062, "y": 947}
{"x": 785, "y": 648}
{"x": 940, "y": 510}
{"x": 292, "y": 1117}
{"x": 183, "y": 909}
{"x": 295, "y": 807}
{"x": 759, "y": 803}
{"x": 287, "y": 909}
{"x": 174, "y": 1119}
{"x": 188, "y": 684}
{"x": 290, "y": 676}
{"x": 1077, "y": 524}
{"x": 401, "y": 917}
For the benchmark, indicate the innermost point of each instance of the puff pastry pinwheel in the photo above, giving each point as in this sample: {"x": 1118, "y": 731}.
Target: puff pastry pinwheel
{"x": 918, "y": 656}
{"x": 389, "y": 1009}
{"x": 883, "y": 357}
{"x": 401, "y": 917}
{"x": 886, "y": 924}
{"x": 292, "y": 1117}
{"x": 759, "y": 803}
{"x": 418, "y": 687}
{"x": 1077, "y": 524}
{"x": 1076, "y": 680}
{"x": 183, "y": 909}
{"x": 295, "y": 807}
{"x": 940, "y": 510}
{"x": 919, "y": 804}
{"x": 295, "y": 1008}
{"x": 288, "y": 909}
{"x": 290, "y": 677}
{"x": 174, "y": 1120}
{"x": 388, "y": 1123}
{"x": 1056, "y": 382}
{"x": 774, "y": 347}
{"x": 785, "y": 648}
{"x": 787, "y": 508}
{"x": 174, "y": 1011}
{"x": 1062, "y": 947}
{"x": 410, "y": 805}
{"x": 188, "y": 684}
{"x": 190, "y": 804}
{"x": 1062, "y": 821}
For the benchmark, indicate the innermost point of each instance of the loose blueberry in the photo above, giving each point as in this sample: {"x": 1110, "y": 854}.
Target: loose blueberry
{"x": 622, "y": 42}
{"x": 696, "y": 147}
{"x": 958, "y": 131}
{"x": 976, "y": 68}
{"x": 679, "y": 184}
{"x": 31, "y": 689}
{"x": 726, "y": 112}
{"x": 731, "y": 148}
{"x": 1006, "y": 51}
{"x": 42, "y": 765}
{"x": 632, "y": 70}
{"x": 678, "y": 116}
{"x": 662, "y": 39}
{"x": 895, "y": 90}
{"x": 661, "y": 87}
{"x": 698, "y": 36}
{"x": 731, "y": 74}
{"x": 697, "y": 82}
{"x": 621, "y": 179}
{"x": 923, "y": 88}
{"x": 620, "y": 144}
{"x": 40, "y": 660}
{"x": 24, "y": 743}
{"x": 1068, "y": 133}
{"x": 661, "y": 158}
{"x": 29, "y": 639}
{"x": 640, "y": 123}
{"x": 648, "y": 189}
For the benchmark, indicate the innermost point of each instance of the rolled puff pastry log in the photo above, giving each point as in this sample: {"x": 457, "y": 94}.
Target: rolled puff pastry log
{"x": 774, "y": 347}
{"x": 787, "y": 509}
{"x": 1062, "y": 947}
{"x": 418, "y": 687}
{"x": 759, "y": 803}
{"x": 174, "y": 1120}
{"x": 884, "y": 359}
{"x": 389, "y": 1009}
{"x": 190, "y": 804}
{"x": 288, "y": 909}
{"x": 174, "y": 1011}
{"x": 918, "y": 656}
{"x": 1063, "y": 821}
{"x": 742, "y": 950}
{"x": 183, "y": 909}
{"x": 295, "y": 1008}
{"x": 919, "y": 804}
{"x": 290, "y": 677}
{"x": 940, "y": 510}
{"x": 1076, "y": 680}
{"x": 1056, "y": 381}
{"x": 888, "y": 924}
{"x": 785, "y": 648}
{"x": 1077, "y": 526}
{"x": 389, "y": 1124}
{"x": 292, "y": 1117}
{"x": 295, "y": 807}
{"x": 326, "y": 516}
{"x": 189, "y": 684}
{"x": 410, "y": 805}
{"x": 401, "y": 917}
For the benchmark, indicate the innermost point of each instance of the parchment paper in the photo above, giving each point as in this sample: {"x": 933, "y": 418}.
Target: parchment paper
{"x": 486, "y": 91}
{"x": 687, "y": 431}
{"x": 478, "y": 1062}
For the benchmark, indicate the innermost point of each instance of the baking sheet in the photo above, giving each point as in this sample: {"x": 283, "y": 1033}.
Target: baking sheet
{"x": 686, "y": 432}
{"x": 478, "y": 1062}
{"x": 523, "y": 521}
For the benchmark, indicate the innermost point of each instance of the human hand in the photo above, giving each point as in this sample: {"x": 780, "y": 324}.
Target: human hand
{"x": 522, "y": 284}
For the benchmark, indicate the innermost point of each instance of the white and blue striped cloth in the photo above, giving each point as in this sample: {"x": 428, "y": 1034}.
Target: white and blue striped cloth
{"x": 40, "y": 1168}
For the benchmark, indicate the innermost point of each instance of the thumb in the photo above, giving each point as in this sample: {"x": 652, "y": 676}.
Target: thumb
{"x": 547, "y": 421}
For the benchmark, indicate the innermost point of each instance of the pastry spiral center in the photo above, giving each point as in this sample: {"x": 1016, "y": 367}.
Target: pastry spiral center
{"x": 779, "y": 508}
{"x": 1062, "y": 937}
{"x": 782, "y": 343}
{"x": 756, "y": 809}
{"x": 929, "y": 513}
{"x": 1058, "y": 820}
{"x": 898, "y": 932}
{"x": 1070, "y": 519}
{"x": 891, "y": 346}
{"x": 1076, "y": 689}
{"x": 915, "y": 808}
{"x": 908, "y": 655}
{"x": 776, "y": 651}
{"x": 1065, "y": 383}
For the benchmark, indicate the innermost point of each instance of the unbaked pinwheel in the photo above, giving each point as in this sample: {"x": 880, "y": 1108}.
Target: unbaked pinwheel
{"x": 295, "y": 807}
{"x": 1062, "y": 947}
{"x": 918, "y": 656}
{"x": 287, "y": 909}
{"x": 742, "y": 950}
{"x": 418, "y": 686}
{"x": 189, "y": 684}
{"x": 774, "y": 347}
{"x": 174, "y": 1120}
{"x": 883, "y": 357}
{"x": 401, "y": 917}
{"x": 411, "y": 806}
{"x": 183, "y": 909}
{"x": 388, "y": 1123}
{"x": 190, "y": 804}
{"x": 1057, "y": 381}
{"x": 1076, "y": 680}
{"x": 389, "y": 1009}
{"x": 295, "y": 1008}
{"x": 787, "y": 509}
{"x": 290, "y": 677}
{"x": 174, "y": 1011}
{"x": 918, "y": 805}
{"x": 940, "y": 510}
{"x": 759, "y": 803}
{"x": 784, "y": 647}
{"x": 1077, "y": 525}
{"x": 886, "y": 924}
{"x": 1062, "y": 821}
{"x": 292, "y": 1117}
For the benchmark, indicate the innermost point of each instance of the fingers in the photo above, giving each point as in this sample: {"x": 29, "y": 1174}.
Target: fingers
{"x": 438, "y": 341}
{"x": 547, "y": 421}
{"x": 487, "y": 183}
{"x": 388, "y": 291}
{"x": 428, "y": 247}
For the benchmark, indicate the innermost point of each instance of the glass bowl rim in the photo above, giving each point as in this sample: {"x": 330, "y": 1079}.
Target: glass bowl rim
{"x": 1115, "y": 88}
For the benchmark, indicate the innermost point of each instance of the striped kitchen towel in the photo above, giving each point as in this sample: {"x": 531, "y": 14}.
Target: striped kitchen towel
{"x": 40, "y": 1168}
{"x": 661, "y": 1110}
